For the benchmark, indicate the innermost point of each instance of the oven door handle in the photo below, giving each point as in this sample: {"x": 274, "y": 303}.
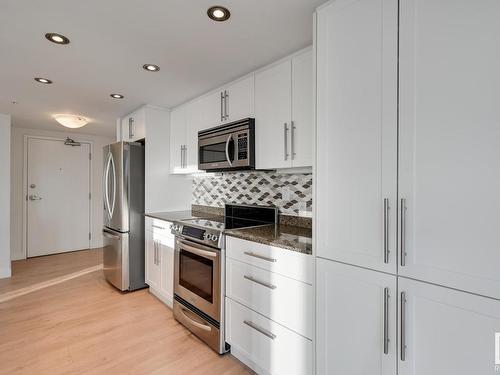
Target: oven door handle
{"x": 202, "y": 253}
{"x": 227, "y": 150}
{"x": 194, "y": 322}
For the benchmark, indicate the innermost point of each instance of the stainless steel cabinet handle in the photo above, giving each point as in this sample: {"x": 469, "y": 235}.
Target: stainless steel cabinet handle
{"x": 263, "y": 283}
{"x": 222, "y": 106}
{"x": 158, "y": 227}
{"x": 285, "y": 140}
{"x": 403, "y": 232}
{"x": 249, "y": 253}
{"x": 403, "y": 326}
{"x": 154, "y": 251}
{"x": 386, "y": 230}
{"x": 226, "y": 105}
{"x": 130, "y": 127}
{"x": 386, "y": 320}
{"x": 292, "y": 140}
{"x": 265, "y": 332}
{"x": 182, "y": 156}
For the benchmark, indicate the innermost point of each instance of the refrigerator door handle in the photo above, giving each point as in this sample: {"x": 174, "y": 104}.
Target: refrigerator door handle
{"x": 112, "y": 206}
{"x": 106, "y": 185}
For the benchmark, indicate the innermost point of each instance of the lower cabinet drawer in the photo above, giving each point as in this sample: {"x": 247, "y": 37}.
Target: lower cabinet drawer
{"x": 264, "y": 345}
{"x": 284, "y": 300}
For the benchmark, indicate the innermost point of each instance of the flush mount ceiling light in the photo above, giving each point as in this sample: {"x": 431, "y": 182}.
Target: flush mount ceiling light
{"x": 43, "y": 80}
{"x": 71, "y": 121}
{"x": 57, "y": 38}
{"x": 151, "y": 67}
{"x": 218, "y": 13}
{"x": 117, "y": 96}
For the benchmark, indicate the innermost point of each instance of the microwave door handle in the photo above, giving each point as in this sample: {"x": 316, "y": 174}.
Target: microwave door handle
{"x": 227, "y": 150}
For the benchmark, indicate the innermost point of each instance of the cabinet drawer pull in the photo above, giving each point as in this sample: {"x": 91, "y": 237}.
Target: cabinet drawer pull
{"x": 386, "y": 320}
{"x": 265, "y": 332}
{"x": 249, "y": 253}
{"x": 285, "y": 141}
{"x": 222, "y": 106}
{"x": 263, "y": 283}
{"x": 158, "y": 227}
{"x": 292, "y": 140}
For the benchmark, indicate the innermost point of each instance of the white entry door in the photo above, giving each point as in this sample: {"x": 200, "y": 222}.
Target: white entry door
{"x": 58, "y": 197}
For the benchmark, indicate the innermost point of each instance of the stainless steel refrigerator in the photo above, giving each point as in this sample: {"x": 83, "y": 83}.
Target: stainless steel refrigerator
{"x": 123, "y": 231}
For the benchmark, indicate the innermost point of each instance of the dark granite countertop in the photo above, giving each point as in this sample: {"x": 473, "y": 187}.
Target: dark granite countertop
{"x": 285, "y": 236}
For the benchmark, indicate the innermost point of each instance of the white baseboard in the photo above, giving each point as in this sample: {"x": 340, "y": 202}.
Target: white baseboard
{"x": 242, "y": 356}
{"x": 166, "y": 299}
{"x": 5, "y": 272}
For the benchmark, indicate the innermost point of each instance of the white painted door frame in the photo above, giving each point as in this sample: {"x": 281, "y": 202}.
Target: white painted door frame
{"x": 25, "y": 187}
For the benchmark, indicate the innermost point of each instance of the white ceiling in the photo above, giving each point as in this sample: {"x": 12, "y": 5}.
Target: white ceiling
{"x": 112, "y": 39}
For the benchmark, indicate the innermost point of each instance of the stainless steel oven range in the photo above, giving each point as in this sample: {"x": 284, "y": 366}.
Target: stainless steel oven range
{"x": 199, "y": 280}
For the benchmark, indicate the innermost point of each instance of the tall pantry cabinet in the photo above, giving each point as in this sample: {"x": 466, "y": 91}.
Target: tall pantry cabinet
{"x": 407, "y": 186}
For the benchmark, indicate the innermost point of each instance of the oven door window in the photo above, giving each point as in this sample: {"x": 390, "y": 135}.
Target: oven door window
{"x": 196, "y": 274}
{"x": 216, "y": 152}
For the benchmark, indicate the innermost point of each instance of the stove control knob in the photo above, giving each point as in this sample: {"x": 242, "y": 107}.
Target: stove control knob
{"x": 214, "y": 237}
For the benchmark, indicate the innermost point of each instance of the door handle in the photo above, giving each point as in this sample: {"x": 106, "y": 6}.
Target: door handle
{"x": 130, "y": 127}
{"x": 285, "y": 140}
{"x": 226, "y": 101}
{"x": 221, "y": 106}
{"x": 403, "y": 326}
{"x": 386, "y": 320}
{"x": 110, "y": 235}
{"x": 204, "y": 327}
{"x": 34, "y": 197}
{"x": 386, "y": 230}
{"x": 227, "y": 150}
{"x": 403, "y": 232}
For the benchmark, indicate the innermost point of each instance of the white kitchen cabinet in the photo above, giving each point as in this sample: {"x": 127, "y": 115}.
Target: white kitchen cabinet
{"x": 446, "y": 331}
{"x": 273, "y": 107}
{"x": 356, "y": 176}
{"x": 239, "y": 100}
{"x": 272, "y": 295}
{"x": 160, "y": 244}
{"x": 264, "y": 345}
{"x": 152, "y": 261}
{"x": 284, "y": 113}
{"x": 134, "y": 126}
{"x": 302, "y": 120}
{"x": 356, "y": 320}
{"x": 178, "y": 141}
{"x": 450, "y": 143}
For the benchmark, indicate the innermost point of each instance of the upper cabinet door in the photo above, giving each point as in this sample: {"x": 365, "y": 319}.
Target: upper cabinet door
{"x": 357, "y": 132}
{"x": 273, "y": 100}
{"x": 177, "y": 140}
{"x": 450, "y": 143}
{"x": 134, "y": 126}
{"x": 301, "y": 136}
{"x": 356, "y": 320}
{"x": 239, "y": 100}
{"x": 446, "y": 331}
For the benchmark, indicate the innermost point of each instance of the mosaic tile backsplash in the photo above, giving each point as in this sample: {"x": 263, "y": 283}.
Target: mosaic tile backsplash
{"x": 291, "y": 193}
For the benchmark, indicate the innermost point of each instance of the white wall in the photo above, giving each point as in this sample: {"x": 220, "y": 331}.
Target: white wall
{"x": 164, "y": 191}
{"x": 17, "y": 198}
{"x": 5, "y": 196}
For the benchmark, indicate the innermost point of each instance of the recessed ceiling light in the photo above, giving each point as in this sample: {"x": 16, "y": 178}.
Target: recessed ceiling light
{"x": 57, "y": 38}
{"x": 151, "y": 67}
{"x": 43, "y": 80}
{"x": 71, "y": 121}
{"x": 218, "y": 13}
{"x": 117, "y": 96}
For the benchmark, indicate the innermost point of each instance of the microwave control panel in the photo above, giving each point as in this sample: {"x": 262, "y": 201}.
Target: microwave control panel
{"x": 243, "y": 146}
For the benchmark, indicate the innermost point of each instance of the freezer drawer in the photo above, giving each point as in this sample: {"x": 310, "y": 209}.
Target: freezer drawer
{"x": 116, "y": 258}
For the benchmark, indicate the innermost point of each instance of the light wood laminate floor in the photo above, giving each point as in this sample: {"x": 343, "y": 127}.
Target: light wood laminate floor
{"x": 85, "y": 326}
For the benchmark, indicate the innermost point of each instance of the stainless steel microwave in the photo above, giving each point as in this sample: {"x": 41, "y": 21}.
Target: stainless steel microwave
{"x": 227, "y": 147}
